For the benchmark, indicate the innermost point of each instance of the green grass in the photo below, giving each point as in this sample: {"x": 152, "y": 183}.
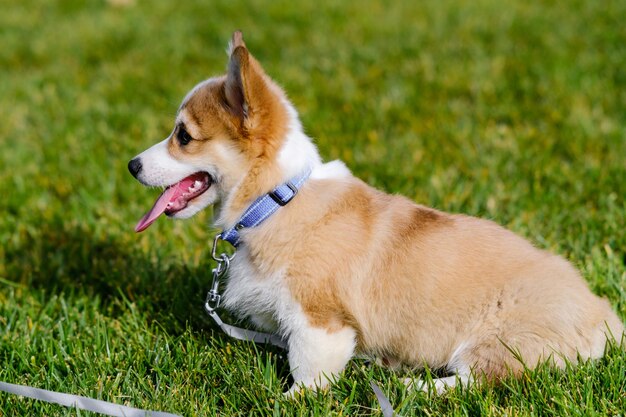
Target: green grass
{"x": 513, "y": 111}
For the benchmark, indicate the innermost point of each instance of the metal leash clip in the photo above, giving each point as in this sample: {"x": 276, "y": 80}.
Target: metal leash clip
{"x": 213, "y": 297}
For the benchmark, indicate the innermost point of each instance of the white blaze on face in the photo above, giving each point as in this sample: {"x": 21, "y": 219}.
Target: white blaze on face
{"x": 159, "y": 168}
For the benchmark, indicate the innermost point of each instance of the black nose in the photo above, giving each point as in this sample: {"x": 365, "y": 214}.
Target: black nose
{"x": 134, "y": 166}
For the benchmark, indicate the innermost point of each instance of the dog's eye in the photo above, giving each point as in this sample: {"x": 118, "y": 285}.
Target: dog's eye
{"x": 184, "y": 137}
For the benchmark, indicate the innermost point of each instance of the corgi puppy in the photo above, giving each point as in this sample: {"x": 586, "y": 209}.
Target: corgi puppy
{"x": 345, "y": 269}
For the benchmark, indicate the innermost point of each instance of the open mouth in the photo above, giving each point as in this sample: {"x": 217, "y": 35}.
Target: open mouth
{"x": 175, "y": 198}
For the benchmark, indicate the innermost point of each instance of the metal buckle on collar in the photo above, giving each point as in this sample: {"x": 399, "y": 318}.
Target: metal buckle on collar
{"x": 279, "y": 200}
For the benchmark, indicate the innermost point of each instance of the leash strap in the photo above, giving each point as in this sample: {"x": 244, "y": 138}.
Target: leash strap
{"x": 265, "y": 206}
{"x": 385, "y": 404}
{"x": 80, "y": 402}
{"x": 248, "y": 335}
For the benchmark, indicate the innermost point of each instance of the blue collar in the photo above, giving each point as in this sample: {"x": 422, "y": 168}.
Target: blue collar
{"x": 264, "y": 206}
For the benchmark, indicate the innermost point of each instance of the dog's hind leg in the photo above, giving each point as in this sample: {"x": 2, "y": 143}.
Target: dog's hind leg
{"x": 440, "y": 385}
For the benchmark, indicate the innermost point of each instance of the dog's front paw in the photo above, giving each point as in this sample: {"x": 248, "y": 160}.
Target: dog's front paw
{"x": 298, "y": 388}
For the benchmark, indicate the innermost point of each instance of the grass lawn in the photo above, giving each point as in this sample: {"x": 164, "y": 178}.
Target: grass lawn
{"x": 514, "y": 111}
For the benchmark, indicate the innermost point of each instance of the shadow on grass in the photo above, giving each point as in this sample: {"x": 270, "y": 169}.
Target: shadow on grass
{"x": 68, "y": 257}
{"x": 61, "y": 257}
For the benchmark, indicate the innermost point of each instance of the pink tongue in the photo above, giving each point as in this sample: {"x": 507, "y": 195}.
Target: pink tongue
{"x": 159, "y": 207}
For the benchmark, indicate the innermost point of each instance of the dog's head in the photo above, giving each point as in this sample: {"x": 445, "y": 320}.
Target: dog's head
{"x": 226, "y": 144}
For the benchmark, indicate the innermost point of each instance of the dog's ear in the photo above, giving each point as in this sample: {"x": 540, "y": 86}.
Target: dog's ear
{"x": 247, "y": 86}
{"x": 237, "y": 65}
{"x": 235, "y": 41}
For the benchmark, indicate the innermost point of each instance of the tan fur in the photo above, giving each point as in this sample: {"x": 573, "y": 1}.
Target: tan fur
{"x": 416, "y": 284}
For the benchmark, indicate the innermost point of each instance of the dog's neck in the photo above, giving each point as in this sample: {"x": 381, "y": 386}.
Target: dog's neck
{"x": 296, "y": 155}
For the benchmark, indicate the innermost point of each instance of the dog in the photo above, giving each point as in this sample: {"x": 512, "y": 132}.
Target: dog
{"x": 341, "y": 268}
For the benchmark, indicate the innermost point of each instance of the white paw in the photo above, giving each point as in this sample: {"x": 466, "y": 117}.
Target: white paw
{"x": 439, "y": 386}
{"x": 297, "y": 389}
{"x": 416, "y": 384}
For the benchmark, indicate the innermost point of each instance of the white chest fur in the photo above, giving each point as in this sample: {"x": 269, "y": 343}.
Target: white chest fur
{"x": 261, "y": 297}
